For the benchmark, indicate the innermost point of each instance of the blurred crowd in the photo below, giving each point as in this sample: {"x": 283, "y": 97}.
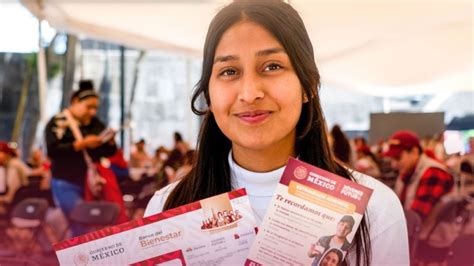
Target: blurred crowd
{"x": 395, "y": 162}
{"x": 436, "y": 189}
{"x": 373, "y": 160}
{"x": 138, "y": 178}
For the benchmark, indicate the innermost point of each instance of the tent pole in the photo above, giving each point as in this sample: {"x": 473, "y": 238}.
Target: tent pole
{"x": 122, "y": 94}
{"x": 386, "y": 105}
{"x": 42, "y": 74}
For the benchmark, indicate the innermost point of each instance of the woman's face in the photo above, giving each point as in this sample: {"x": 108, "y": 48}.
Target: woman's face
{"x": 36, "y": 155}
{"x": 255, "y": 94}
{"x": 331, "y": 259}
{"x": 85, "y": 110}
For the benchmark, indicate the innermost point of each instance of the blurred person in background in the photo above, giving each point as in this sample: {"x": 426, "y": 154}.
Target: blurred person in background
{"x": 10, "y": 182}
{"x": 359, "y": 142}
{"x": 422, "y": 181}
{"x": 118, "y": 165}
{"x": 176, "y": 158}
{"x": 340, "y": 145}
{"x": 187, "y": 165}
{"x": 38, "y": 160}
{"x": 139, "y": 158}
{"x": 68, "y": 165}
{"x": 462, "y": 168}
{"x": 14, "y": 174}
{"x": 433, "y": 147}
{"x": 180, "y": 144}
{"x": 437, "y": 146}
{"x": 466, "y": 177}
{"x": 388, "y": 175}
{"x": 468, "y": 157}
{"x": 160, "y": 157}
{"x": 171, "y": 166}
{"x": 366, "y": 162}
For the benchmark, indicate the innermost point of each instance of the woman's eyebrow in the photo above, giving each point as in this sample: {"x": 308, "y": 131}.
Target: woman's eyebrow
{"x": 225, "y": 58}
{"x": 270, "y": 51}
{"x": 265, "y": 52}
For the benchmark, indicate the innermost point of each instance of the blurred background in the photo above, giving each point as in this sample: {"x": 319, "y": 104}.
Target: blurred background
{"x": 385, "y": 65}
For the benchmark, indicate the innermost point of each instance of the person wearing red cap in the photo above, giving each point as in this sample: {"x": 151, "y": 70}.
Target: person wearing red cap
{"x": 8, "y": 186}
{"x": 422, "y": 181}
{"x": 14, "y": 174}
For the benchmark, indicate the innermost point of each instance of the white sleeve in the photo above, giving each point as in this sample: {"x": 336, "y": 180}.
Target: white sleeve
{"x": 387, "y": 225}
{"x": 157, "y": 202}
{"x": 390, "y": 247}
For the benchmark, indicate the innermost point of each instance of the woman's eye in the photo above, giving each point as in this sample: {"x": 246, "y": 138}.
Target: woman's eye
{"x": 272, "y": 67}
{"x": 228, "y": 72}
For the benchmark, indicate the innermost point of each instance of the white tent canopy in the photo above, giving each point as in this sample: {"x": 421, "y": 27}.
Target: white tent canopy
{"x": 383, "y": 48}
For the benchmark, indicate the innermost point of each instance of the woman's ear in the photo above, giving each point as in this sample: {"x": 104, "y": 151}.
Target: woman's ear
{"x": 305, "y": 97}
{"x": 312, "y": 94}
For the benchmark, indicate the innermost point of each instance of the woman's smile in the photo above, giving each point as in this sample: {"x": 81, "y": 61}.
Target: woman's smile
{"x": 253, "y": 117}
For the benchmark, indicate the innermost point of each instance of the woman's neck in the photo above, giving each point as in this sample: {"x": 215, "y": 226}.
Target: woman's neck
{"x": 263, "y": 160}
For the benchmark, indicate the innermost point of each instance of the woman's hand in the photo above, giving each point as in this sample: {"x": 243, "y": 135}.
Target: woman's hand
{"x": 89, "y": 142}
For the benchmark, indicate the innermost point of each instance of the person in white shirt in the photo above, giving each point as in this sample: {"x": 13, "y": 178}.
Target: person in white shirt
{"x": 139, "y": 158}
{"x": 14, "y": 173}
{"x": 260, "y": 82}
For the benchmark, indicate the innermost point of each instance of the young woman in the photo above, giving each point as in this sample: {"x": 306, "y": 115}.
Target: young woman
{"x": 260, "y": 82}
{"x": 333, "y": 257}
{"x": 68, "y": 166}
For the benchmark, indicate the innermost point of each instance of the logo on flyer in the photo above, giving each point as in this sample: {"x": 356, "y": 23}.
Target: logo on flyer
{"x": 300, "y": 172}
{"x": 81, "y": 259}
{"x": 107, "y": 252}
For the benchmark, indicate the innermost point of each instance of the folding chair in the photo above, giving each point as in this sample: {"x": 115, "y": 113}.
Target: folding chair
{"x": 32, "y": 192}
{"x": 441, "y": 228}
{"x": 95, "y": 214}
{"x": 28, "y": 214}
{"x": 461, "y": 251}
{"x": 414, "y": 227}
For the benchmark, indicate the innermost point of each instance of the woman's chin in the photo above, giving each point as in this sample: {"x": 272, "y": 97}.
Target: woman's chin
{"x": 254, "y": 145}
{"x": 86, "y": 122}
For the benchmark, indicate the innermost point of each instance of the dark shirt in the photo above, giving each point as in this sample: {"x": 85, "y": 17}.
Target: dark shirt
{"x": 66, "y": 163}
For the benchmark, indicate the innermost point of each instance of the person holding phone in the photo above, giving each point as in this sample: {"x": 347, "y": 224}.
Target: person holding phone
{"x": 68, "y": 166}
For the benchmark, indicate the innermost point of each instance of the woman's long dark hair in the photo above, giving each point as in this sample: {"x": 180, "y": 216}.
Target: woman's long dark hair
{"x": 211, "y": 174}
{"x": 340, "y": 145}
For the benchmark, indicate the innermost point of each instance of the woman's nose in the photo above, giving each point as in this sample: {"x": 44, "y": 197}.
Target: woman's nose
{"x": 251, "y": 88}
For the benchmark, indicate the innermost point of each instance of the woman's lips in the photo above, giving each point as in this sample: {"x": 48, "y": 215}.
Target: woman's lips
{"x": 253, "y": 117}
